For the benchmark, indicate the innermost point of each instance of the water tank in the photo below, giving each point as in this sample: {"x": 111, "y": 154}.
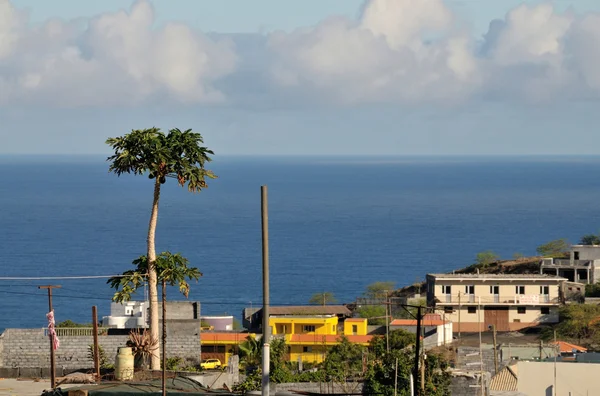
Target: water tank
{"x": 124, "y": 364}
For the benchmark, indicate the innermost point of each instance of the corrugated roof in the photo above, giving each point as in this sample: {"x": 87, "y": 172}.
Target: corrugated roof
{"x": 311, "y": 310}
{"x": 505, "y": 380}
{"x": 327, "y": 339}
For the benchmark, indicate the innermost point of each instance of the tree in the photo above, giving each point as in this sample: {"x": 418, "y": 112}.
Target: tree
{"x": 553, "y": 248}
{"x": 171, "y": 269}
{"x": 399, "y": 339}
{"x": 344, "y": 364}
{"x": 590, "y": 239}
{"x": 579, "y": 321}
{"x": 322, "y": 298}
{"x": 379, "y": 289}
{"x": 486, "y": 258}
{"x": 372, "y": 304}
{"x": 251, "y": 352}
{"x": 178, "y": 155}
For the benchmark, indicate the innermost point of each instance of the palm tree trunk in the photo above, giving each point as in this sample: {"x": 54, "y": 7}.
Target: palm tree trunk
{"x": 152, "y": 282}
{"x": 164, "y": 337}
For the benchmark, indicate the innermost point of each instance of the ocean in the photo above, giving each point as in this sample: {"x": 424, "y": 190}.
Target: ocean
{"x": 336, "y": 224}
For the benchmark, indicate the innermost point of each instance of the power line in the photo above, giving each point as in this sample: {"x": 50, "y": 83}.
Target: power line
{"x": 63, "y": 277}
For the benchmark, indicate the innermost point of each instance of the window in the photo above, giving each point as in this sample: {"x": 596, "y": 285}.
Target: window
{"x": 469, "y": 289}
{"x": 448, "y": 310}
{"x": 309, "y": 329}
{"x": 333, "y": 329}
{"x": 576, "y": 255}
{"x": 521, "y": 310}
{"x": 446, "y": 289}
{"x": 354, "y": 329}
{"x": 520, "y": 290}
{"x": 545, "y": 290}
{"x": 306, "y": 349}
{"x": 472, "y": 310}
{"x": 495, "y": 289}
{"x": 545, "y": 310}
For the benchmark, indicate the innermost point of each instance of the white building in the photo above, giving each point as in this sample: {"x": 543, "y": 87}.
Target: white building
{"x": 128, "y": 315}
{"x": 436, "y": 329}
{"x": 510, "y": 302}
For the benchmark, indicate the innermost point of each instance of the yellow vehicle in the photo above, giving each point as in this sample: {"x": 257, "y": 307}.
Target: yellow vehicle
{"x": 210, "y": 364}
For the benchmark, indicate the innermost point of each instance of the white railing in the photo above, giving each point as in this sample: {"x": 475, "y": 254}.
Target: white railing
{"x": 525, "y": 299}
{"x": 75, "y": 331}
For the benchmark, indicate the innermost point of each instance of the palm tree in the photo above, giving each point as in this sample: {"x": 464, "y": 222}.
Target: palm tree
{"x": 171, "y": 269}
{"x": 251, "y": 352}
{"x": 178, "y": 155}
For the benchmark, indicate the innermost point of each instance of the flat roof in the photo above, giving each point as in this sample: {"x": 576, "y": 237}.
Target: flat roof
{"x": 497, "y": 276}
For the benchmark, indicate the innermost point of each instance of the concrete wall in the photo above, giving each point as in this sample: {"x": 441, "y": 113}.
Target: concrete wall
{"x": 29, "y": 348}
{"x": 316, "y": 387}
{"x": 469, "y": 322}
{"x": 537, "y": 378}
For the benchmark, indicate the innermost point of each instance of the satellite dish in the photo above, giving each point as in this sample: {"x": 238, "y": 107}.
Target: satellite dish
{"x": 574, "y": 350}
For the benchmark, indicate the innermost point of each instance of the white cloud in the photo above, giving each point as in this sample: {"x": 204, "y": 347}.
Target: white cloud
{"x": 397, "y": 51}
{"x": 414, "y": 51}
{"x": 381, "y": 57}
{"x": 114, "y": 59}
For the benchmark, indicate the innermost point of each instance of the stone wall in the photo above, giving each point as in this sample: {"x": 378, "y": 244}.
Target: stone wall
{"x": 316, "y": 387}
{"x": 469, "y": 384}
{"x": 30, "y": 348}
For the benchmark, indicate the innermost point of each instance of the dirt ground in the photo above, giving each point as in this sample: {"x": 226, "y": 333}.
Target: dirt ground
{"x": 13, "y": 387}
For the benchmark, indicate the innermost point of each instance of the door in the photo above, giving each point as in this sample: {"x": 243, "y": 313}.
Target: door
{"x": 497, "y": 316}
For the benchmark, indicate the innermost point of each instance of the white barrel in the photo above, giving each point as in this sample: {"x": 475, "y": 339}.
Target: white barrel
{"x": 124, "y": 364}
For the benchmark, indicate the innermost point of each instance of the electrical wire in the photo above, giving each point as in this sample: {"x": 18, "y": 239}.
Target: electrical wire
{"x": 12, "y": 278}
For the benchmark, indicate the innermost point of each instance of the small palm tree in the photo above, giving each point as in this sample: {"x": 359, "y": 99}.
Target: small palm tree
{"x": 171, "y": 270}
{"x": 251, "y": 352}
{"x": 179, "y": 155}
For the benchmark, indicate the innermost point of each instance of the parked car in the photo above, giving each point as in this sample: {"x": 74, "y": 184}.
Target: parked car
{"x": 210, "y": 364}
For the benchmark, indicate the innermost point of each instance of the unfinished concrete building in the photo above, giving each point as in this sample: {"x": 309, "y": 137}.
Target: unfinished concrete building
{"x": 582, "y": 266}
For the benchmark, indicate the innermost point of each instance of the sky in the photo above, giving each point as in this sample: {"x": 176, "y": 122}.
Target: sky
{"x": 304, "y": 77}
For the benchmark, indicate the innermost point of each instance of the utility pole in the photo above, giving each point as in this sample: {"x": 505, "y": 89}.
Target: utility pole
{"x": 323, "y": 298}
{"x": 396, "y": 378}
{"x": 417, "y": 353}
{"x": 51, "y": 335}
{"x": 387, "y": 322}
{"x": 96, "y": 352}
{"x": 459, "y": 309}
{"x": 495, "y": 350}
{"x": 264, "y": 206}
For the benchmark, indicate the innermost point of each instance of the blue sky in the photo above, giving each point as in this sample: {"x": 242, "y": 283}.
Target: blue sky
{"x": 389, "y": 77}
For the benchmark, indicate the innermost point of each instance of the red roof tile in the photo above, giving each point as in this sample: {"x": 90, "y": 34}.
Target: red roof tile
{"x": 567, "y": 347}
{"x": 413, "y": 322}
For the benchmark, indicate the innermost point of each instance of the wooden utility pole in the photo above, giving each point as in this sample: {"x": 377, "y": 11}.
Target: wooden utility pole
{"x": 164, "y": 338}
{"x": 387, "y": 322}
{"x": 52, "y": 358}
{"x": 264, "y": 209}
{"x": 396, "y": 378}
{"x": 459, "y": 309}
{"x": 495, "y": 349}
{"x": 417, "y": 353}
{"x": 96, "y": 349}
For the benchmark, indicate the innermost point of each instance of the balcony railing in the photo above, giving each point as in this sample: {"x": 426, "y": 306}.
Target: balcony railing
{"x": 566, "y": 262}
{"x": 76, "y": 331}
{"x": 523, "y": 299}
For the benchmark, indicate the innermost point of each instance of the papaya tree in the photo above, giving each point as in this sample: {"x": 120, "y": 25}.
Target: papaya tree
{"x": 171, "y": 270}
{"x": 179, "y": 155}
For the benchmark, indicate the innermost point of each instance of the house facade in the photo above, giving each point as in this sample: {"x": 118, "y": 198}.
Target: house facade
{"x": 510, "y": 302}
{"x": 309, "y": 337}
{"x": 222, "y": 345}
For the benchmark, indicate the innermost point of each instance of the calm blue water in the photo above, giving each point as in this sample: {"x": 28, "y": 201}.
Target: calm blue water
{"x": 335, "y": 224}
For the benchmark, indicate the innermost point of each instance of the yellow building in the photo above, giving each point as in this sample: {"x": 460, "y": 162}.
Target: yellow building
{"x": 221, "y": 346}
{"x": 309, "y": 337}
